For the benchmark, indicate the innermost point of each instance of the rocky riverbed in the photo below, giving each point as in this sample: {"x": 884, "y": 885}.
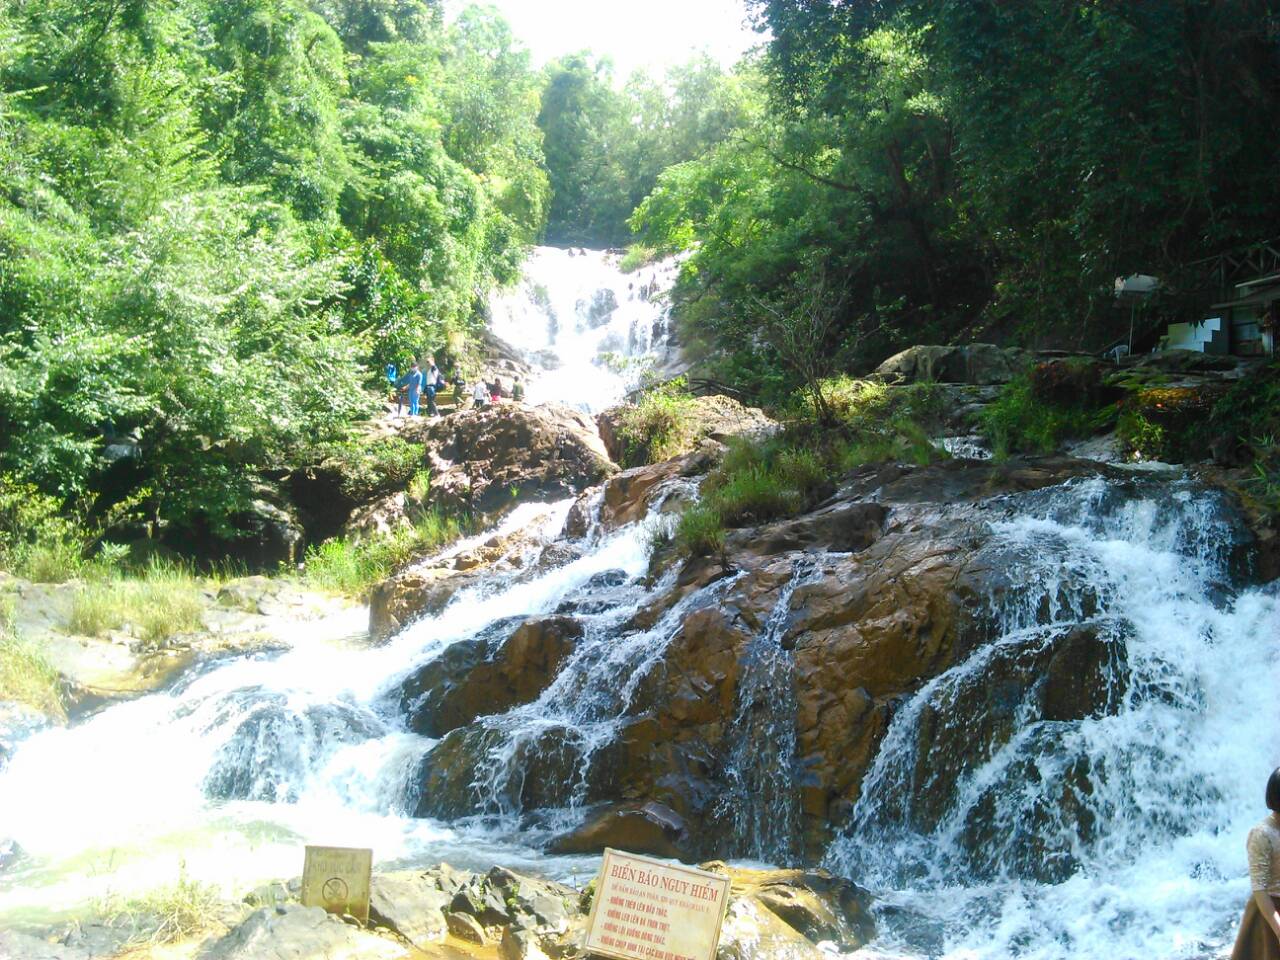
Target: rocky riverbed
{"x": 447, "y": 913}
{"x": 820, "y": 681}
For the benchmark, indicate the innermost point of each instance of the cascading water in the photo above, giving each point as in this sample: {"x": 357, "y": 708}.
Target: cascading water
{"x": 1079, "y": 784}
{"x": 228, "y": 772}
{"x": 1116, "y": 833}
{"x": 760, "y": 773}
{"x": 589, "y": 329}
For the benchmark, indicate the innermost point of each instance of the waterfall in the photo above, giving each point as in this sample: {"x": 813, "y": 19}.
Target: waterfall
{"x": 589, "y": 330}
{"x": 759, "y": 799}
{"x": 1116, "y": 830}
{"x": 1079, "y": 783}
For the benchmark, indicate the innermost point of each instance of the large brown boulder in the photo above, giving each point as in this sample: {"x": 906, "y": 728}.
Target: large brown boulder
{"x": 488, "y": 674}
{"x": 490, "y": 459}
{"x": 425, "y": 589}
{"x": 715, "y": 417}
{"x": 974, "y": 363}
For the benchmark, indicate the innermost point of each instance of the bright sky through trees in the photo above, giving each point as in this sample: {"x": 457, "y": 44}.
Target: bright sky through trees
{"x": 651, "y": 35}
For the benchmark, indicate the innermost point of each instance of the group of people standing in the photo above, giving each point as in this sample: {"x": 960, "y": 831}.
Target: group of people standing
{"x": 412, "y": 386}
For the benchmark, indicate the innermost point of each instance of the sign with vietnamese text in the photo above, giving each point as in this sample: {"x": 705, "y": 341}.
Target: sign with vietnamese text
{"x": 647, "y": 909}
{"x": 337, "y": 878}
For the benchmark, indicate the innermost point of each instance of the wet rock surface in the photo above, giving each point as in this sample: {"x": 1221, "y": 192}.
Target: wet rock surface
{"x": 891, "y": 582}
{"x": 708, "y": 418}
{"x": 424, "y": 589}
{"x": 490, "y": 673}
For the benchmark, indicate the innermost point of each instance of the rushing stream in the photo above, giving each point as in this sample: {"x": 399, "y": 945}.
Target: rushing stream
{"x": 1119, "y": 835}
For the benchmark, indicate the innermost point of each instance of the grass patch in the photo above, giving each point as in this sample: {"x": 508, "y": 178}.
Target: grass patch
{"x": 26, "y": 677}
{"x": 352, "y": 567}
{"x": 757, "y": 482}
{"x": 700, "y": 531}
{"x": 1027, "y": 418}
{"x": 637, "y": 257}
{"x": 168, "y": 914}
{"x": 161, "y": 602}
{"x": 658, "y": 426}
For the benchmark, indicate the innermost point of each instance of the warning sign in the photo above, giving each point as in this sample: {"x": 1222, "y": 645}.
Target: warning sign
{"x": 646, "y": 909}
{"x": 337, "y": 878}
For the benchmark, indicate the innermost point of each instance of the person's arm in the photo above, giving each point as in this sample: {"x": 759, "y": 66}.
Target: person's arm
{"x": 1267, "y": 907}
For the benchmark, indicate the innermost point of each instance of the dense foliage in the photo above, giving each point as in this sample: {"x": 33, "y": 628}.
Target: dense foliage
{"x": 218, "y": 218}
{"x": 970, "y": 167}
{"x": 606, "y": 147}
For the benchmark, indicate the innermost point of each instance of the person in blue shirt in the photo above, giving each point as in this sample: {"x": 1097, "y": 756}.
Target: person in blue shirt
{"x": 411, "y": 384}
{"x": 391, "y": 384}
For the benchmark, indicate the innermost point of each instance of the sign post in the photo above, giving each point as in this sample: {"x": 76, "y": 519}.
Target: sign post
{"x": 337, "y": 878}
{"x": 646, "y": 909}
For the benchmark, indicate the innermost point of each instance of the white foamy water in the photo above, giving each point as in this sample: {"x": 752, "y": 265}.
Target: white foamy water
{"x": 1013, "y": 828}
{"x": 588, "y": 329}
{"x": 1117, "y": 835}
{"x": 236, "y": 767}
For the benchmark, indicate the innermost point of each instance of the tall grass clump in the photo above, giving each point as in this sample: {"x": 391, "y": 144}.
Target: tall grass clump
{"x": 1038, "y": 411}
{"x": 700, "y": 531}
{"x": 26, "y": 677}
{"x": 167, "y": 914}
{"x": 351, "y": 567}
{"x": 159, "y": 602}
{"x": 658, "y": 425}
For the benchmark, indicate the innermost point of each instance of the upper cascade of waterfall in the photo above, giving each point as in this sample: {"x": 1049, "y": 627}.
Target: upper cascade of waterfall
{"x": 588, "y": 329}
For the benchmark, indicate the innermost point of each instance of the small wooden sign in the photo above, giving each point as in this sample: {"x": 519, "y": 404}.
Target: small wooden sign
{"x": 646, "y": 909}
{"x": 337, "y": 878}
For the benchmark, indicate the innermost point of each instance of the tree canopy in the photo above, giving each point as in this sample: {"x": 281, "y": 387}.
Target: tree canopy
{"x": 973, "y": 167}
{"x": 218, "y": 217}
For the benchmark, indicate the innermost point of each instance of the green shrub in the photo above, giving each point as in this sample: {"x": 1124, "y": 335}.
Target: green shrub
{"x": 1019, "y": 421}
{"x": 1265, "y": 480}
{"x": 161, "y": 602}
{"x": 900, "y": 441}
{"x": 1140, "y": 438}
{"x": 26, "y": 677}
{"x": 658, "y": 426}
{"x": 877, "y": 423}
{"x": 367, "y": 469}
{"x": 700, "y": 531}
{"x": 1249, "y": 415}
{"x": 352, "y": 567}
{"x": 637, "y": 257}
{"x": 37, "y": 541}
